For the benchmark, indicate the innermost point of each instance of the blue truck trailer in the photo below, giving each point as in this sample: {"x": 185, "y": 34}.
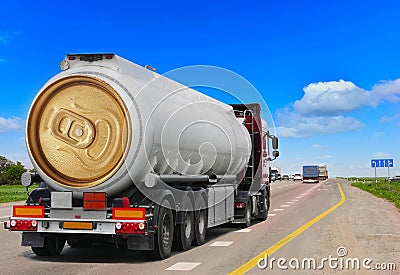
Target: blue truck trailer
{"x": 310, "y": 173}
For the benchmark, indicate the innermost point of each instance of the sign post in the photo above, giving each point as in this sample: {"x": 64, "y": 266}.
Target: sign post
{"x": 382, "y": 163}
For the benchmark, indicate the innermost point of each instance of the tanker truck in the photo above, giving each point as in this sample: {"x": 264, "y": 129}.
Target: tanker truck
{"x": 130, "y": 157}
{"x": 323, "y": 172}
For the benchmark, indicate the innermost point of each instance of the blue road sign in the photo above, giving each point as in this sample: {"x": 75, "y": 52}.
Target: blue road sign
{"x": 381, "y": 163}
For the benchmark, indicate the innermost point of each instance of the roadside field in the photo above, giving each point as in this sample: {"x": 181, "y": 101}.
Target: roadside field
{"x": 382, "y": 189}
{"x": 10, "y": 193}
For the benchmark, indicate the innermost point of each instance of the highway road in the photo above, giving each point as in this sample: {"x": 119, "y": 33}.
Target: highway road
{"x": 357, "y": 227}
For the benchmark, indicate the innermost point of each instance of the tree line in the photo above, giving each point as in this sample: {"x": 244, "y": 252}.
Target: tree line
{"x": 10, "y": 172}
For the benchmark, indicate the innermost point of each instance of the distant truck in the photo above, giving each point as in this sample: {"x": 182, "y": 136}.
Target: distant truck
{"x": 310, "y": 173}
{"x": 275, "y": 173}
{"x": 323, "y": 172}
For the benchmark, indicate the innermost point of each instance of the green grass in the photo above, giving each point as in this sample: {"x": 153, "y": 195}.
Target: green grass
{"x": 9, "y": 193}
{"x": 382, "y": 189}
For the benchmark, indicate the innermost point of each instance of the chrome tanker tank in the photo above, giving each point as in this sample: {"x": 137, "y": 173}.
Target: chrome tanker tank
{"x": 105, "y": 123}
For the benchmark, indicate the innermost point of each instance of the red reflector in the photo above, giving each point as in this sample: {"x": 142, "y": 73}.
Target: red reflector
{"x": 94, "y": 201}
{"x": 88, "y": 196}
{"x": 28, "y": 211}
{"x": 71, "y": 57}
{"x": 109, "y": 57}
{"x": 93, "y": 196}
{"x": 94, "y": 205}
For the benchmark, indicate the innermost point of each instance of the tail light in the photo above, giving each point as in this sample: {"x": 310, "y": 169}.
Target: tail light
{"x": 240, "y": 205}
{"x": 23, "y": 225}
{"x": 130, "y": 228}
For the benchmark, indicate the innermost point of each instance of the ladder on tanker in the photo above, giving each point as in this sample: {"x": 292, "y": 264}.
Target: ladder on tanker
{"x": 251, "y": 163}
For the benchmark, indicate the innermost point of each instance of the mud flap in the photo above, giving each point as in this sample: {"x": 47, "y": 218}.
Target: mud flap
{"x": 32, "y": 239}
{"x": 140, "y": 242}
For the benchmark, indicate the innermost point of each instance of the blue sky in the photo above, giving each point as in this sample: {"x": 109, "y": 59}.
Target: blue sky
{"x": 328, "y": 70}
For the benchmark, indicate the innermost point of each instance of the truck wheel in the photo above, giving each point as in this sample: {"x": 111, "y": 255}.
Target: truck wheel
{"x": 264, "y": 204}
{"x": 200, "y": 227}
{"x": 247, "y": 222}
{"x": 52, "y": 247}
{"x": 184, "y": 232}
{"x": 163, "y": 237}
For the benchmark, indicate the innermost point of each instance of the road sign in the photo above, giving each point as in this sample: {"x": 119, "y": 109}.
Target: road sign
{"x": 381, "y": 163}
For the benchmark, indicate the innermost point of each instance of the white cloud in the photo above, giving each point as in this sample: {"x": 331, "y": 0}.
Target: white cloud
{"x": 339, "y": 97}
{"x": 316, "y": 146}
{"x": 7, "y": 36}
{"x": 298, "y": 126}
{"x": 321, "y": 110}
{"x": 381, "y": 155}
{"x": 9, "y": 124}
{"x": 288, "y": 132}
{"x": 378, "y": 135}
{"x": 390, "y": 118}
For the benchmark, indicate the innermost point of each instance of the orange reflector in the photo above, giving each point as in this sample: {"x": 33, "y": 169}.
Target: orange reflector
{"x": 28, "y": 211}
{"x": 94, "y": 201}
{"x": 78, "y": 225}
{"x": 129, "y": 213}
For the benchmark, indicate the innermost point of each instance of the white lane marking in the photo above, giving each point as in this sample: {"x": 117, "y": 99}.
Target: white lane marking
{"x": 279, "y": 209}
{"x": 244, "y": 230}
{"x": 322, "y": 189}
{"x": 299, "y": 197}
{"x": 295, "y": 200}
{"x": 4, "y": 217}
{"x": 290, "y": 202}
{"x": 271, "y": 215}
{"x": 218, "y": 243}
{"x": 183, "y": 266}
{"x": 285, "y": 205}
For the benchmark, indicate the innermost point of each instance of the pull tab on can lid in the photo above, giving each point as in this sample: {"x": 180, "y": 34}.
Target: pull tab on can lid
{"x": 78, "y": 131}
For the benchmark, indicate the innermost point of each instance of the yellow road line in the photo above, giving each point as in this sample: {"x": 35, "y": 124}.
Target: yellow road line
{"x": 253, "y": 262}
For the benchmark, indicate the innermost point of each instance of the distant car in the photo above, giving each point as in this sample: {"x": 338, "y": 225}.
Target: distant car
{"x": 273, "y": 178}
{"x": 278, "y": 177}
{"x": 291, "y": 177}
{"x": 298, "y": 177}
{"x": 285, "y": 177}
{"x": 396, "y": 178}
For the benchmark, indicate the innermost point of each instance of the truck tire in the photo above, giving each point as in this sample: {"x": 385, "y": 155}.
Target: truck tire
{"x": 163, "y": 237}
{"x": 52, "y": 247}
{"x": 200, "y": 227}
{"x": 264, "y": 204}
{"x": 184, "y": 232}
{"x": 247, "y": 221}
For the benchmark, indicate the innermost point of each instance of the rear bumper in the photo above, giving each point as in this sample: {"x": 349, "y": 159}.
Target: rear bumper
{"x": 75, "y": 226}
{"x": 310, "y": 180}
{"x": 35, "y": 239}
